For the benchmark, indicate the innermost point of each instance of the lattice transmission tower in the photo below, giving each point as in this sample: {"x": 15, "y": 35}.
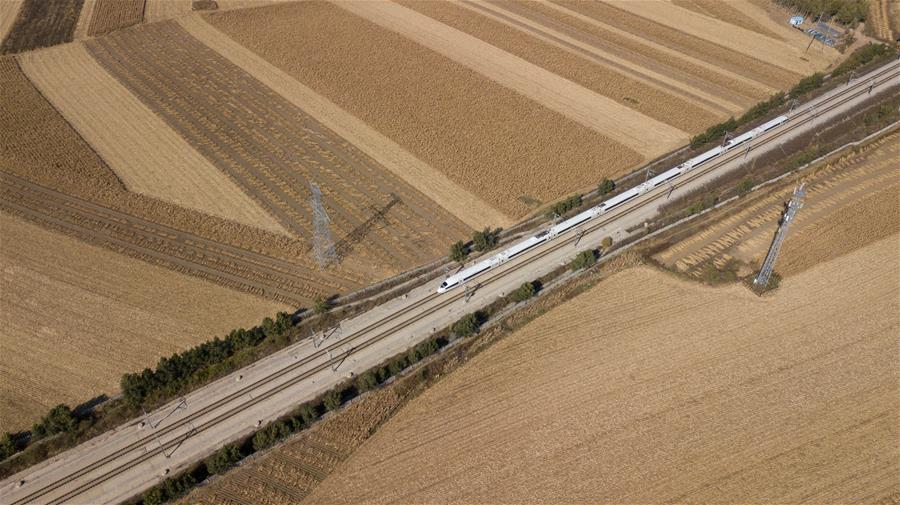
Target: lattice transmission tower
{"x": 762, "y": 279}
{"x": 323, "y": 246}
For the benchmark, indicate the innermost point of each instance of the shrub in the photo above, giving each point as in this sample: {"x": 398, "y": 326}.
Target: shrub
{"x": 524, "y": 292}
{"x": 807, "y": 84}
{"x": 397, "y": 365}
{"x": 862, "y": 56}
{"x": 58, "y": 420}
{"x": 321, "y": 305}
{"x": 169, "y": 490}
{"x": 366, "y": 382}
{"x": 8, "y": 446}
{"x": 458, "y": 252}
{"x": 606, "y": 243}
{"x": 583, "y": 260}
{"x": 762, "y": 108}
{"x": 486, "y": 239}
{"x": 272, "y": 433}
{"x": 606, "y": 186}
{"x": 467, "y": 325}
{"x": 714, "y": 132}
{"x": 308, "y": 413}
{"x": 332, "y": 400}
{"x": 560, "y": 208}
{"x": 745, "y": 186}
{"x": 223, "y": 459}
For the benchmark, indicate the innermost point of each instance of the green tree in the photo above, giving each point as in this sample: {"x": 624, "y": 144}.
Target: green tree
{"x": 486, "y": 239}
{"x": 58, "y": 420}
{"x": 467, "y": 325}
{"x": 8, "y": 446}
{"x": 321, "y": 305}
{"x": 606, "y": 186}
{"x": 366, "y": 382}
{"x": 308, "y": 413}
{"x": 458, "y": 252}
{"x": 524, "y": 292}
{"x": 583, "y": 260}
{"x": 332, "y": 399}
{"x": 223, "y": 459}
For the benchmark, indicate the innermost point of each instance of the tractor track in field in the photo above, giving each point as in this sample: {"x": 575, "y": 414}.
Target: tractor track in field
{"x": 272, "y": 278}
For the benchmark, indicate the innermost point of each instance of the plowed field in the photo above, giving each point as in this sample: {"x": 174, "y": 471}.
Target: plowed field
{"x": 73, "y": 322}
{"x": 787, "y": 398}
{"x": 109, "y": 15}
{"x": 495, "y": 143}
{"x": 39, "y": 23}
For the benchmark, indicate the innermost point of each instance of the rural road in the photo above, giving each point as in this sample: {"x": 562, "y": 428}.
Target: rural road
{"x": 122, "y": 463}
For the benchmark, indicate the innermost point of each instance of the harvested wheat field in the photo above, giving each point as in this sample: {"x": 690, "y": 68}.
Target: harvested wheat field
{"x": 496, "y": 143}
{"x": 850, "y": 202}
{"x": 73, "y": 322}
{"x": 649, "y": 388}
{"x": 880, "y": 18}
{"x": 38, "y": 23}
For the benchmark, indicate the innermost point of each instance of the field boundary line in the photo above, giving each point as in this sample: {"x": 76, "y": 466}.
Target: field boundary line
{"x": 143, "y": 151}
{"x": 592, "y": 110}
{"x": 686, "y": 91}
{"x": 82, "y": 27}
{"x": 467, "y": 207}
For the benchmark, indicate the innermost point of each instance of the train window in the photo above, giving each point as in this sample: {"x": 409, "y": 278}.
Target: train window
{"x": 443, "y": 284}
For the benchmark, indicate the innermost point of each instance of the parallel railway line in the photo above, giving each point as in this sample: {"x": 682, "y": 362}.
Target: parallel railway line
{"x": 371, "y": 334}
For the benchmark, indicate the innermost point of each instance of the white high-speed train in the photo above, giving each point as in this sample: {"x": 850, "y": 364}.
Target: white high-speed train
{"x": 473, "y": 271}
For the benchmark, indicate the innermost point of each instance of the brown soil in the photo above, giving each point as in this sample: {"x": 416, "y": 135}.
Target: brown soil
{"x": 784, "y": 398}
{"x": 595, "y": 75}
{"x": 495, "y": 143}
{"x": 273, "y": 150}
{"x": 41, "y": 23}
{"x": 112, "y": 15}
{"x": 850, "y": 203}
{"x": 73, "y": 322}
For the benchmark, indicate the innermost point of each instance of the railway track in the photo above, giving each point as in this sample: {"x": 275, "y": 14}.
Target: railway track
{"x": 322, "y": 358}
{"x": 285, "y": 281}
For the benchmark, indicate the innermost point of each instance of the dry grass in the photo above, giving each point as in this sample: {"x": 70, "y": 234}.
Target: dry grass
{"x": 850, "y": 203}
{"x": 73, "y": 322}
{"x": 494, "y": 142}
{"x": 143, "y": 151}
{"x": 787, "y": 398}
{"x": 605, "y": 116}
{"x": 112, "y": 15}
{"x": 602, "y": 72}
{"x": 431, "y": 183}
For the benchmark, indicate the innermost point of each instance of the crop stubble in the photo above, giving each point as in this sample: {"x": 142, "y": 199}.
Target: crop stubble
{"x": 787, "y": 398}
{"x": 54, "y": 178}
{"x": 148, "y": 156}
{"x": 41, "y": 23}
{"x": 573, "y": 101}
{"x": 761, "y": 71}
{"x": 727, "y": 12}
{"x": 112, "y": 15}
{"x": 72, "y": 322}
{"x": 495, "y": 143}
{"x": 8, "y": 12}
{"x": 272, "y": 148}
{"x": 707, "y": 75}
{"x": 788, "y": 57}
{"x": 596, "y": 74}
{"x": 461, "y": 203}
